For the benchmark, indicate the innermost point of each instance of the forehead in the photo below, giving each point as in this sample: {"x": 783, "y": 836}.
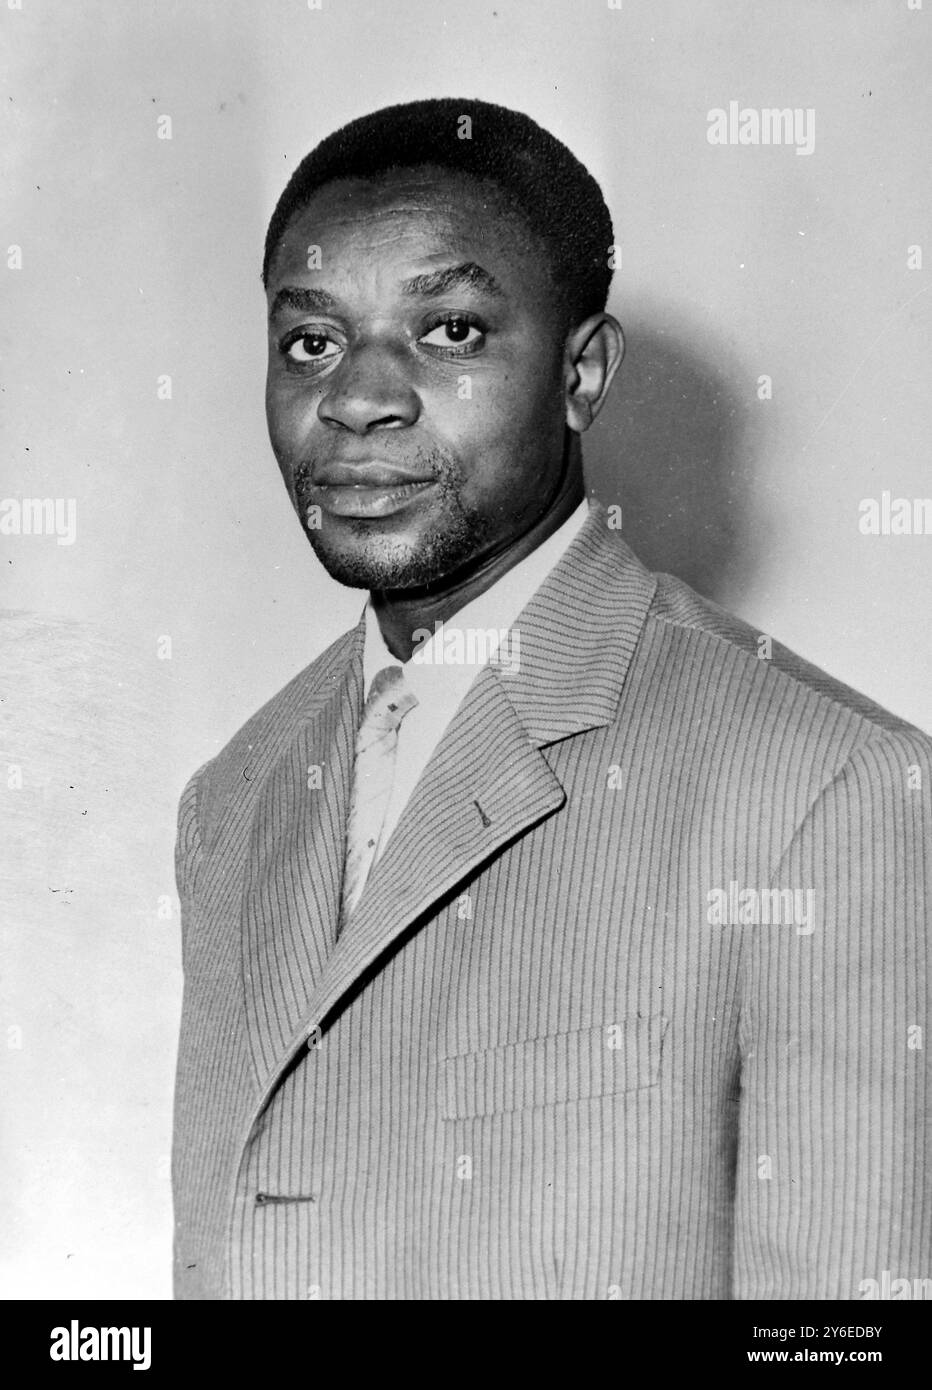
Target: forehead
{"x": 415, "y": 218}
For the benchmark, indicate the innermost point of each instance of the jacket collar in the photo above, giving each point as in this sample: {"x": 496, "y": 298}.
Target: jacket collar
{"x": 578, "y": 635}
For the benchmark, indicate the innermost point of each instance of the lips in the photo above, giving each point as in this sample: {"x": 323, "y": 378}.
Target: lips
{"x": 367, "y": 473}
{"x": 371, "y": 488}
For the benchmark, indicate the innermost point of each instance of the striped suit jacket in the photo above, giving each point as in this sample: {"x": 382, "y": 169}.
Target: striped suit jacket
{"x": 633, "y": 1003}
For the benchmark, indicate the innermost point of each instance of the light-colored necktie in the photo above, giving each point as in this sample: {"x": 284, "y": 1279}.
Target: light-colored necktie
{"x": 388, "y": 702}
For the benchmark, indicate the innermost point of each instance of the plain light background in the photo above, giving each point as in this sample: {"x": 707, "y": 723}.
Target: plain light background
{"x": 141, "y": 256}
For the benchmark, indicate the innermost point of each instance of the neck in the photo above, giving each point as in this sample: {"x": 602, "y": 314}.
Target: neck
{"x": 402, "y": 612}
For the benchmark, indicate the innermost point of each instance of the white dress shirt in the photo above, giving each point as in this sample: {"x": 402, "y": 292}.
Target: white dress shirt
{"x": 444, "y": 667}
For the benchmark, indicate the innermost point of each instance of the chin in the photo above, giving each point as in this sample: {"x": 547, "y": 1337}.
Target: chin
{"x": 367, "y": 561}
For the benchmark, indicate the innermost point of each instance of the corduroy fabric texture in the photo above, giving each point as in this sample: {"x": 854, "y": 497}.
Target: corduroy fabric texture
{"x": 550, "y": 1060}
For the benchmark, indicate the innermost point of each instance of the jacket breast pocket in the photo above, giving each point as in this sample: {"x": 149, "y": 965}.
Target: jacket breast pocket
{"x": 581, "y": 1065}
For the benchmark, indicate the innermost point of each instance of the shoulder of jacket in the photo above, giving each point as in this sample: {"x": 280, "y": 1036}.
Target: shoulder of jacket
{"x": 680, "y": 608}
{"x": 271, "y": 725}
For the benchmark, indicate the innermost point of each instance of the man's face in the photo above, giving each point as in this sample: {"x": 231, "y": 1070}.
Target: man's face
{"x": 415, "y": 390}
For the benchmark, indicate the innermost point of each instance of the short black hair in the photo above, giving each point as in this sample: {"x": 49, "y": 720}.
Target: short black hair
{"x": 543, "y": 182}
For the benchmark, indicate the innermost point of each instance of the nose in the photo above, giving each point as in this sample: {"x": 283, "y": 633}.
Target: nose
{"x": 370, "y": 390}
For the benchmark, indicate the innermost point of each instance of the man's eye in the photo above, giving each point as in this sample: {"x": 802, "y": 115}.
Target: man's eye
{"x": 311, "y": 347}
{"x": 453, "y": 333}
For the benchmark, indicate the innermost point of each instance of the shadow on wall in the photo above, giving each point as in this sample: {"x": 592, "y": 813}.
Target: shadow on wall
{"x": 670, "y": 446}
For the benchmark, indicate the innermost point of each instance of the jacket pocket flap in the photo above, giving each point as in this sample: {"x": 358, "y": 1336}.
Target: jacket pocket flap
{"x": 581, "y": 1065}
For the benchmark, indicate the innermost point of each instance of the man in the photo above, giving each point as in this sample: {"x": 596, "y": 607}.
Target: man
{"x": 586, "y": 960}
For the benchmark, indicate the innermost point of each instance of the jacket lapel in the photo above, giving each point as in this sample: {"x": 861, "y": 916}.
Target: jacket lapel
{"x": 485, "y": 785}
{"x": 294, "y": 861}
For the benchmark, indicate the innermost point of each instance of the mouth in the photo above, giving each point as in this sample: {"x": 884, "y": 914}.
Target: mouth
{"x": 367, "y": 488}
{"x": 366, "y": 499}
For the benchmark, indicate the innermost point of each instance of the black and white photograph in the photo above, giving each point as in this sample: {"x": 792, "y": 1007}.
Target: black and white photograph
{"x": 465, "y": 686}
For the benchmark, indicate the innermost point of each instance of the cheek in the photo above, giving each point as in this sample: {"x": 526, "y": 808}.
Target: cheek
{"x": 494, "y": 411}
{"x": 520, "y": 410}
{"x": 289, "y": 415}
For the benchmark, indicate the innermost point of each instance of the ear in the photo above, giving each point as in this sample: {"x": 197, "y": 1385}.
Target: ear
{"x": 592, "y": 356}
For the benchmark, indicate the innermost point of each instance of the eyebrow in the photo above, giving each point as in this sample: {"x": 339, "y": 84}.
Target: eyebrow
{"x": 466, "y": 275}
{"x": 306, "y": 301}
